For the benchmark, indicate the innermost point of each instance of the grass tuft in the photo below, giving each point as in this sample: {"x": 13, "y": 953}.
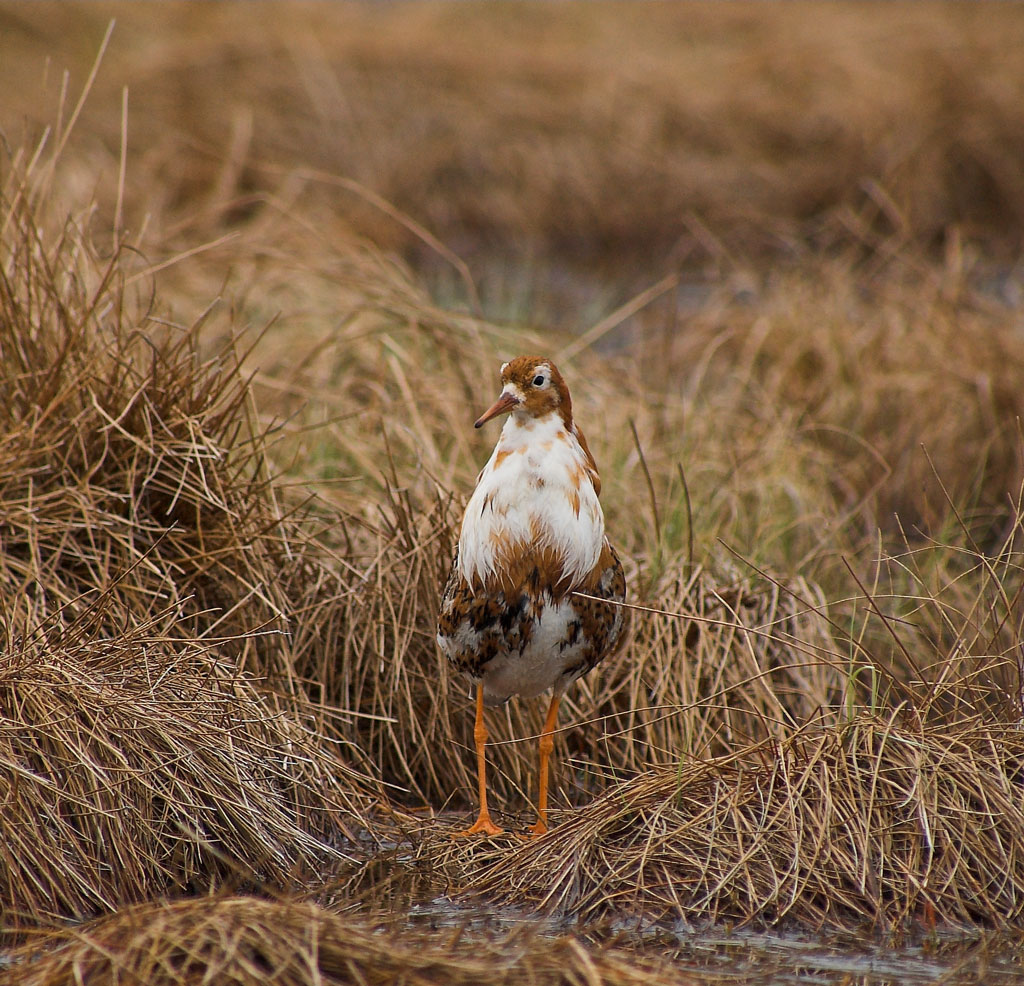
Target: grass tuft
{"x": 240, "y": 941}
{"x": 154, "y": 738}
{"x": 140, "y": 765}
{"x": 881, "y": 823}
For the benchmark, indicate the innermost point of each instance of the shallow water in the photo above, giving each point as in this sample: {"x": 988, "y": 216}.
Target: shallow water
{"x": 721, "y": 955}
{"x": 414, "y": 895}
{"x": 784, "y": 959}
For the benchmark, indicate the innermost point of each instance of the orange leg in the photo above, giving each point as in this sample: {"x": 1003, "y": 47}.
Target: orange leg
{"x": 483, "y": 821}
{"x": 546, "y": 745}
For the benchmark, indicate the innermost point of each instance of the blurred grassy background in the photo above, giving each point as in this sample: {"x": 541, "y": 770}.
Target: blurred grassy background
{"x": 570, "y": 153}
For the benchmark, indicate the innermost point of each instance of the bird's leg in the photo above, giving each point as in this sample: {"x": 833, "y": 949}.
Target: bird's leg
{"x": 545, "y": 746}
{"x": 483, "y": 821}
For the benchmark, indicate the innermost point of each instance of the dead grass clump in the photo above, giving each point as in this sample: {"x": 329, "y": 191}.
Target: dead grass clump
{"x": 138, "y": 765}
{"x": 126, "y": 463}
{"x": 132, "y": 461}
{"x": 879, "y": 821}
{"x": 244, "y": 941}
{"x": 156, "y": 738}
{"x": 939, "y": 626}
{"x": 717, "y": 660}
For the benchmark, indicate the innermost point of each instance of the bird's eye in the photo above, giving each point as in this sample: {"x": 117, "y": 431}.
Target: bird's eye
{"x": 539, "y": 380}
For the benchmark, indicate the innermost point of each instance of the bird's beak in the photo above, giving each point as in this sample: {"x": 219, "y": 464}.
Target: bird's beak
{"x": 506, "y": 402}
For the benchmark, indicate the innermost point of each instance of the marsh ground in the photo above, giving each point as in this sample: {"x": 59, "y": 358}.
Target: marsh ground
{"x": 260, "y": 266}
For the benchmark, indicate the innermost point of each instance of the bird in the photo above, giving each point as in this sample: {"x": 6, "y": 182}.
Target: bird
{"x": 533, "y": 598}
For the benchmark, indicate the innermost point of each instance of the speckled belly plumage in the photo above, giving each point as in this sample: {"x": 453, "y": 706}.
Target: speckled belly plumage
{"x": 526, "y": 637}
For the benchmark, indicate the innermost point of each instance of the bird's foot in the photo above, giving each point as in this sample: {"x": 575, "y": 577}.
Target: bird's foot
{"x": 539, "y": 827}
{"x": 483, "y": 824}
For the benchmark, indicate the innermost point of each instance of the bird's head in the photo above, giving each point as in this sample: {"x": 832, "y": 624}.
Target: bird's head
{"x": 531, "y": 387}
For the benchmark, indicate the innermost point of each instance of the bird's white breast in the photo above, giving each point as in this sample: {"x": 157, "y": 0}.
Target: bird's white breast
{"x": 534, "y": 491}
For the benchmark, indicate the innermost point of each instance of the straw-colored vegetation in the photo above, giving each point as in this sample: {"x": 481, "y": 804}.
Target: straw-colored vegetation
{"x": 879, "y": 822}
{"x": 249, "y": 309}
{"x": 239, "y": 941}
{"x": 135, "y": 765}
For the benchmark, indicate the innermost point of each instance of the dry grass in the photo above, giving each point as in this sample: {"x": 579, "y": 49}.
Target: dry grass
{"x": 248, "y": 942}
{"x": 154, "y": 738}
{"x": 886, "y": 798}
{"x": 580, "y": 137}
{"x": 881, "y": 823}
{"x": 140, "y": 765}
{"x": 897, "y": 393}
{"x": 129, "y": 464}
{"x": 201, "y": 524}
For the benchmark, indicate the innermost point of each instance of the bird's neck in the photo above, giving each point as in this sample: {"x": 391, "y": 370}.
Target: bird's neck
{"x": 522, "y": 429}
{"x": 535, "y": 500}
